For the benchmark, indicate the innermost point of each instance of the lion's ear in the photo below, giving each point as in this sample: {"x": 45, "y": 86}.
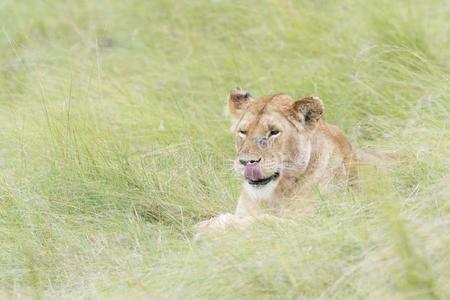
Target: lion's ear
{"x": 309, "y": 110}
{"x": 238, "y": 101}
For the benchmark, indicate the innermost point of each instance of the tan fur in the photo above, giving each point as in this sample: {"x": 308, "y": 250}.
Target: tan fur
{"x": 290, "y": 138}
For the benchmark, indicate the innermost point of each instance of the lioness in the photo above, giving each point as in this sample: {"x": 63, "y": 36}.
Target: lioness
{"x": 285, "y": 152}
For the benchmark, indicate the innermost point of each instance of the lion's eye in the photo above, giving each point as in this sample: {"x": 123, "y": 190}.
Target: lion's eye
{"x": 242, "y": 133}
{"x": 273, "y": 133}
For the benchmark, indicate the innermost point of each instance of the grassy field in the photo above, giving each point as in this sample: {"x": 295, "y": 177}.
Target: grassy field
{"x": 113, "y": 144}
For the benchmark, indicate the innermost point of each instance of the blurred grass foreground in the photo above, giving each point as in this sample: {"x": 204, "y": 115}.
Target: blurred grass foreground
{"x": 113, "y": 144}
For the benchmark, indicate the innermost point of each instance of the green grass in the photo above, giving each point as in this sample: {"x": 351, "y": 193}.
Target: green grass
{"x": 113, "y": 145}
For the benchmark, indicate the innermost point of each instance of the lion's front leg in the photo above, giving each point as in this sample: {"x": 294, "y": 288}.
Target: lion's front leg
{"x": 223, "y": 222}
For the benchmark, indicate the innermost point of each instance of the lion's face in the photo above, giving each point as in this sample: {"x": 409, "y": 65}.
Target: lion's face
{"x": 273, "y": 135}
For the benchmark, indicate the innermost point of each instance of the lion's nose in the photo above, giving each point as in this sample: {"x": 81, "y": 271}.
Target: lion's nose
{"x": 249, "y": 162}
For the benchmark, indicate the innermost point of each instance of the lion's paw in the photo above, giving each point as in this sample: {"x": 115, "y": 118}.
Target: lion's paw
{"x": 222, "y": 223}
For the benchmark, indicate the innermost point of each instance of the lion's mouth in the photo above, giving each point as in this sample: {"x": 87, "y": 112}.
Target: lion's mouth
{"x": 263, "y": 181}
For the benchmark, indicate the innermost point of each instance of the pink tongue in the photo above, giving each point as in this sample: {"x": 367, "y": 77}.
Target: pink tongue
{"x": 253, "y": 172}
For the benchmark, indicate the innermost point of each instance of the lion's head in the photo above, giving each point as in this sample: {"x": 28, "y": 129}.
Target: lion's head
{"x": 273, "y": 135}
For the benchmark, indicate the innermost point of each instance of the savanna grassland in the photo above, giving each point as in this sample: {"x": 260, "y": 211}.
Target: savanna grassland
{"x": 113, "y": 144}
